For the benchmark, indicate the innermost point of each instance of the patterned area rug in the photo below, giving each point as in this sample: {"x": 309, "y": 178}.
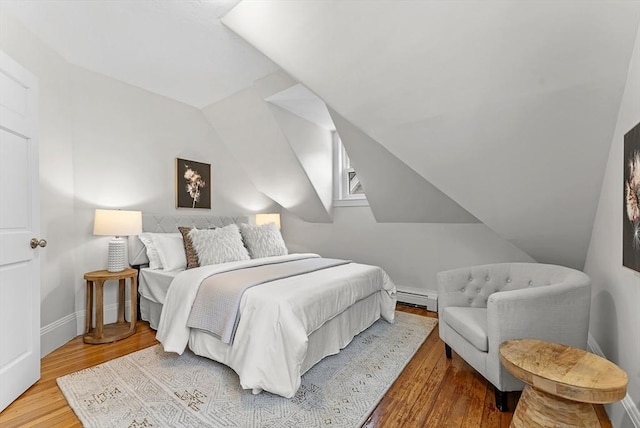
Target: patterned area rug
{"x": 151, "y": 388}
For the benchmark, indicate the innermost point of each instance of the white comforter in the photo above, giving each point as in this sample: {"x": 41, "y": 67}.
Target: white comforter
{"x": 276, "y": 318}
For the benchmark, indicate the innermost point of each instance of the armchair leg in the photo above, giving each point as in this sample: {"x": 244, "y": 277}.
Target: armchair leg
{"x": 447, "y": 351}
{"x": 501, "y": 400}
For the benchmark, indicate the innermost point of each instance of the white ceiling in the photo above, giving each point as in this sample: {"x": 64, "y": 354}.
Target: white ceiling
{"x": 508, "y": 107}
{"x": 175, "y": 48}
{"x": 302, "y": 102}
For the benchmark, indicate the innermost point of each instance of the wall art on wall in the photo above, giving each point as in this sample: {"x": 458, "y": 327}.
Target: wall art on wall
{"x": 193, "y": 184}
{"x": 631, "y": 201}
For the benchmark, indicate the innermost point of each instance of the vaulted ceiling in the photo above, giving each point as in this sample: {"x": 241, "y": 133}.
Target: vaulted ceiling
{"x": 506, "y": 107}
{"x": 175, "y": 48}
{"x": 494, "y": 111}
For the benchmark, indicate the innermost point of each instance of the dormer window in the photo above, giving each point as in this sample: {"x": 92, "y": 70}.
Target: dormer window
{"x": 348, "y": 190}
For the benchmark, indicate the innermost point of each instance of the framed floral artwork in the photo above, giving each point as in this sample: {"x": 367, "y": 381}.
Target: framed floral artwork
{"x": 631, "y": 200}
{"x": 193, "y": 184}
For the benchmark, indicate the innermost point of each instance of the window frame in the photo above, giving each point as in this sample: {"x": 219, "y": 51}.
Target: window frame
{"x": 342, "y": 167}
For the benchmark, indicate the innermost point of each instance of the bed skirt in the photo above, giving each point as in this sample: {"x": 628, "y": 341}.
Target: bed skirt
{"x": 329, "y": 339}
{"x": 150, "y": 311}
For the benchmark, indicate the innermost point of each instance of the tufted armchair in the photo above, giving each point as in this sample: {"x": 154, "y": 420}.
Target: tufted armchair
{"x": 480, "y": 307}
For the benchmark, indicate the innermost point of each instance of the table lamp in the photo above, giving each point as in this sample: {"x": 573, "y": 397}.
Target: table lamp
{"x": 117, "y": 223}
{"x": 268, "y": 218}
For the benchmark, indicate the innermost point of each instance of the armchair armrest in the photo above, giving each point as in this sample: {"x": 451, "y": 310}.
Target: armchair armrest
{"x": 556, "y": 313}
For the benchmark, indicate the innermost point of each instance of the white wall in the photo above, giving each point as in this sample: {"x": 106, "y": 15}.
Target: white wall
{"x": 313, "y": 146}
{"x": 58, "y": 264}
{"x": 615, "y": 314}
{"x": 125, "y": 144}
{"x": 105, "y": 144}
{"x": 396, "y": 193}
{"x": 411, "y": 253}
{"x": 250, "y": 131}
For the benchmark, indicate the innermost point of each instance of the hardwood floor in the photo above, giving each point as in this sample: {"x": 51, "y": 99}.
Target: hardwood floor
{"x": 435, "y": 392}
{"x": 431, "y": 391}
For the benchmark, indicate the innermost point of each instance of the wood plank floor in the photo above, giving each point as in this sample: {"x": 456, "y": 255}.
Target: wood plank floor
{"x": 431, "y": 391}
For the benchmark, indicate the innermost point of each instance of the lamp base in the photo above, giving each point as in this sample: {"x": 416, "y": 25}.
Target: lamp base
{"x": 116, "y": 261}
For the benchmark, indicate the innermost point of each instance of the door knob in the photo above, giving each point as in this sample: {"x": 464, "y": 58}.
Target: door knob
{"x": 38, "y": 243}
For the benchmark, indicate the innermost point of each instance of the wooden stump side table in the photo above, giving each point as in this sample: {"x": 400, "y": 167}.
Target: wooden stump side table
{"x": 563, "y": 383}
{"x": 120, "y": 329}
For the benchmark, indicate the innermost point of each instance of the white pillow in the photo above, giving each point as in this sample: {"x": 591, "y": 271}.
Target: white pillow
{"x": 152, "y": 251}
{"x": 263, "y": 241}
{"x": 170, "y": 248}
{"x": 220, "y": 245}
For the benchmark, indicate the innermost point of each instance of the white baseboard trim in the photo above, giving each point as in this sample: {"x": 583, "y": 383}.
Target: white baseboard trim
{"x": 628, "y": 404}
{"x": 56, "y": 334}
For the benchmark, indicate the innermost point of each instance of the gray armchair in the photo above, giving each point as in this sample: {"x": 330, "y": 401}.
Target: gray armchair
{"x": 480, "y": 307}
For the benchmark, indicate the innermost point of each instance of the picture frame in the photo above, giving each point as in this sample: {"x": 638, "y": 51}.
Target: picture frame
{"x": 631, "y": 200}
{"x": 193, "y": 184}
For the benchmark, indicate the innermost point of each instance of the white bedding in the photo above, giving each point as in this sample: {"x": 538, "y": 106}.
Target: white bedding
{"x": 277, "y": 319}
{"x": 153, "y": 284}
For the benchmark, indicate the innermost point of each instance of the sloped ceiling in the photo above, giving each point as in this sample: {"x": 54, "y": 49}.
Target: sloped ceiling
{"x": 175, "y": 48}
{"x": 313, "y": 149}
{"x": 256, "y": 139}
{"x": 506, "y": 107}
{"x": 301, "y": 102}
{"x": 396, "y": 193}
{"x": 304, "y": 119}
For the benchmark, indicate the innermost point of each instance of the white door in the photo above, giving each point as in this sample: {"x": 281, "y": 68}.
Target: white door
{"x": 19, "y": 223}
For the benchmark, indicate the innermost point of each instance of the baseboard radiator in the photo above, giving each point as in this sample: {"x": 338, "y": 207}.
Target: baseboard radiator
{"x": 418, "y": 297}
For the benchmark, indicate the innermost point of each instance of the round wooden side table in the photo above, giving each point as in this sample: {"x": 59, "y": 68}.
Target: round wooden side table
{"x": 563, "y": 383}
{"x": 120, "y": 329}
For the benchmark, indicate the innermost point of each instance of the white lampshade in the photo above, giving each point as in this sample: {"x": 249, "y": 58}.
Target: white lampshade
{"x": 117, "y": 223}
{"x": 268, "y": 218}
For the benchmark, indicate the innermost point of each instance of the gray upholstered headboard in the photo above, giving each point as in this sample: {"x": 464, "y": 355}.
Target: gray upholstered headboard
{"x": 169, "y": 224}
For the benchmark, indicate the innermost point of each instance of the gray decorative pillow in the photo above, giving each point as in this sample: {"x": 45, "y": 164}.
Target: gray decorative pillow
{"x": 220, "y": 245}
{"x": 263, "y": 241}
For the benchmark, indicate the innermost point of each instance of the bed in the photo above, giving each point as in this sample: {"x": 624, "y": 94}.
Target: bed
{"x": 283, "y": 326}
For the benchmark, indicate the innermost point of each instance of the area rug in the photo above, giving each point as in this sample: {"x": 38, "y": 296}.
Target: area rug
{"x": 151, "y": 388}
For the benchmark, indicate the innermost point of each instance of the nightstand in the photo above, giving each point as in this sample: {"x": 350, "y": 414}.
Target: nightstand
{"x": 120, "y": 329}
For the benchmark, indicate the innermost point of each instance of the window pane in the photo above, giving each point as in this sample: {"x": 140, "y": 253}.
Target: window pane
{"x": 347, "y": 188}
{"x": 354, "y": 184}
